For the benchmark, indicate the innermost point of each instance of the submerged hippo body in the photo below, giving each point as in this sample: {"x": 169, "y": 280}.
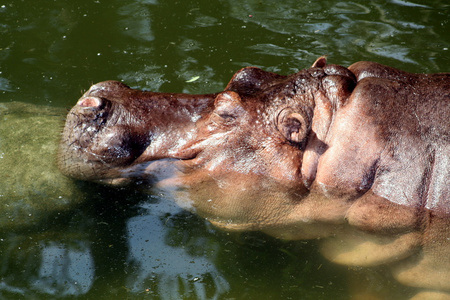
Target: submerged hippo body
{"x": 359, "y": 156}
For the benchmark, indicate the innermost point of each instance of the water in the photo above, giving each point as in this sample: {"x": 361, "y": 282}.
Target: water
{"x": 123, "y": 244}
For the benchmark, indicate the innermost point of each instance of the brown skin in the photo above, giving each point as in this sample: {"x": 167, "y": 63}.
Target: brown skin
{"x": 358, "y": 155}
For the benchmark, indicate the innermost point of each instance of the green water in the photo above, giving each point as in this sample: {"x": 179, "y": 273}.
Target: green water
{"x": 118, "y": 244}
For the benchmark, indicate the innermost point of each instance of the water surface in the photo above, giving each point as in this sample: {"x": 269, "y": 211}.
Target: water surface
{"x": 123, "y": 244}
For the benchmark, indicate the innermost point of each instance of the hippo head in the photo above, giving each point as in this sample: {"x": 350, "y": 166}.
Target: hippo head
{"x": 226, "y": 155}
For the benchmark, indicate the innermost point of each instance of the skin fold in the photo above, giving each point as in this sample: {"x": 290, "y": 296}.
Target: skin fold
{"x": 357, "y": 156}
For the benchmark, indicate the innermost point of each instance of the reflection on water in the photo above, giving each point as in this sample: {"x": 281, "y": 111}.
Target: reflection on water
{"x": 47, "y": 263}
{"x": 65, "y": 270}
{"x": 348, "y": 29}
{"x": 173, "y": 271}
{"x": 99, "y": 243}
{"x": 154, "y": 249}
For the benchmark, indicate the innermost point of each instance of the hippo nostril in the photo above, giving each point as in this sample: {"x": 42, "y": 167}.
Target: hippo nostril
{"x": 90, "y": 102}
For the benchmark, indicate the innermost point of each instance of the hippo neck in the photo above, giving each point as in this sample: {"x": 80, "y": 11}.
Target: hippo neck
{"x": 334, "y": 88}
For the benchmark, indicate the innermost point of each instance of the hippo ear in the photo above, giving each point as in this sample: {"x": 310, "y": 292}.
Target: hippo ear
{"x": 320, "y": 62}
{"x": 294, "y": 126}
{"x": 228, "y": 105}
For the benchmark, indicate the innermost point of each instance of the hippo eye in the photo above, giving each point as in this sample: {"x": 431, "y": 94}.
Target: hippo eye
{"x": 226, "y": 115}
{"x": 228, "y": 106}
{"x": 223, "y": 118}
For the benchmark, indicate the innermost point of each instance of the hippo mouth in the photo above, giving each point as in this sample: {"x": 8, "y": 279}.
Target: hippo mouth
{"x": 96, "y": 144}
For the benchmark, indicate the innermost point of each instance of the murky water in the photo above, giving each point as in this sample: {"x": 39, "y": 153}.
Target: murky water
{"x": 103, "y": 243}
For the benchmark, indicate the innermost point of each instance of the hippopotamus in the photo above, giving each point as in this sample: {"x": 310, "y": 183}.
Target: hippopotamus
{"x": 357, "y": 157}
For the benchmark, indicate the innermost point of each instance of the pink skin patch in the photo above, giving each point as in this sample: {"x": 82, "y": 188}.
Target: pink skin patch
{"x": 90, "y": 102}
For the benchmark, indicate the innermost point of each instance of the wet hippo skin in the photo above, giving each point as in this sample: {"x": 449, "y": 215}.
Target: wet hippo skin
{"x": 357, "y": 156}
